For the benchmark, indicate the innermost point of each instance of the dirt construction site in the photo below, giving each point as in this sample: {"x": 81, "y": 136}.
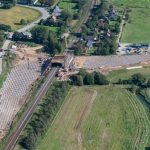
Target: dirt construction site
{"x": 26, "y": 54}
{"x": 25, "y": 71}
{"x": 108, "y": 63}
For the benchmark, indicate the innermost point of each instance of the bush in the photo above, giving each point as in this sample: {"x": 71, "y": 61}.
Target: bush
{"x": 76, "y": 16}
{"x": 5, "y": 27}
{"x": 23, "y": 22}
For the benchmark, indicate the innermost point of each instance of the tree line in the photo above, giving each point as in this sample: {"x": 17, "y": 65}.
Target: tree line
{"x": 44, "y": 115}
{"x": 85, "y": 78}
{"x": 6, "y": 4}
{"x": 2, "y": 37}
{"x": 42, "y": 35}
{"x": 137, "y": 82}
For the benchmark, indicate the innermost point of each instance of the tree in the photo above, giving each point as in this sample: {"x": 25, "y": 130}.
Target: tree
{"x": 117, "y": 28}
{"x": 39, "y": 34}
{"x": 2, "y": 37}
{"x": 41, "y": 2}
{"x": 46, "y": 2}
{"x": 103, "y": 49}
{"x": 65, "y": 15}
{"x": 133, "y": 88}
{"x": 138, "y": 79}
{"x": 79, "y": 48}
{"x": 42, "y": 118}
{"x": 19, "y": 36}
{"x": 89, "y": 79}
{"x": 5, "y": 27}
{"x": 23, "y": 22}
{"x": 82, "y": 72}
{"x": 148, "y": 83}
{"x": 29, "y": 1}
{"x": 79, "y": 81}
{"x": 100, "y": 79}
{"x": 76, "y": 16}
{"x": 52, "y": 45}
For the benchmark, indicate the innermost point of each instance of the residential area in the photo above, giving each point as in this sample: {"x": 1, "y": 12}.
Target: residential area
{"x": 74, "y": 74}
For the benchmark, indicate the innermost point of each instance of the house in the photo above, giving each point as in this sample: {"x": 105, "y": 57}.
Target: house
{"x": 108, "y": 33}
{"x": 102, "y": 23}
{"x": 54, "y": 18}
{"x": 56, "y": 11}
{"x": 88, "y": 37}
{"x": 102, "y": 34}
{"x": 89, "y": 44}
{"x": 112, "y": 14}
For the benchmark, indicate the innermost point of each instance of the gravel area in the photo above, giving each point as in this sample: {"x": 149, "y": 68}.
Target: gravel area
{"x": 96, "y": 62}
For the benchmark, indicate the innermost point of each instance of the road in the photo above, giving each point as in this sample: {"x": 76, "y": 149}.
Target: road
{"x": 44, "y": 15}
{"x": 74, "y": 39}
{"x": 28, "y": 114}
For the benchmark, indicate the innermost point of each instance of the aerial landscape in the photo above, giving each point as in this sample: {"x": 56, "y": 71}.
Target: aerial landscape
{"x": 74, "y": 75}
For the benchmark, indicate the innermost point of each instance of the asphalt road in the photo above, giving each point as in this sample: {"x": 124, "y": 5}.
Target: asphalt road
{"x": 44, "y": 15}
{"x": 28, "y": 114}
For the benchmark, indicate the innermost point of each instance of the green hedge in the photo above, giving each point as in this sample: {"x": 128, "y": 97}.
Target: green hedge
{"x": 44, "y": 115}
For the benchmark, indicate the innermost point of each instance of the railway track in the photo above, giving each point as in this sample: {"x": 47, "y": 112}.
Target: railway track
{"x": 28, "y": 114}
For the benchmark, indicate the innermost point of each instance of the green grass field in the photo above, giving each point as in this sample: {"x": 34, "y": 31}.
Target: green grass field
{"x": 95, "y": 118}
{"x": 68, "y": 6}
{"x": 146, "y": 93}
{"x": 137, "y": 28}
{"x": 13, "y": 16}
{"x": 132, "y": 3}
{"x": 125, "y": 74}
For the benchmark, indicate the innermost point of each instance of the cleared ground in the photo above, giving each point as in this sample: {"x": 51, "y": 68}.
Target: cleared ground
{"x": 94, "y": 118}
{"x": 13, "y": 16}
{"x": 111, "y": 62}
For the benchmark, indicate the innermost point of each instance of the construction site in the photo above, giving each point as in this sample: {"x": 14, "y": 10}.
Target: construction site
{"x": 26, "y": 69}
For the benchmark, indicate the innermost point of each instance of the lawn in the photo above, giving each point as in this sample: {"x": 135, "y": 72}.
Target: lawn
{"x": 132, "y": 3}
{"x": 13, "y": 16}
{"x": 137, "y": 28}
{"x": 68, "y": 6}
{"x": 125, "y": 74}
{"x": 54, "y": 29}
{"x": 94, "y": 118}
